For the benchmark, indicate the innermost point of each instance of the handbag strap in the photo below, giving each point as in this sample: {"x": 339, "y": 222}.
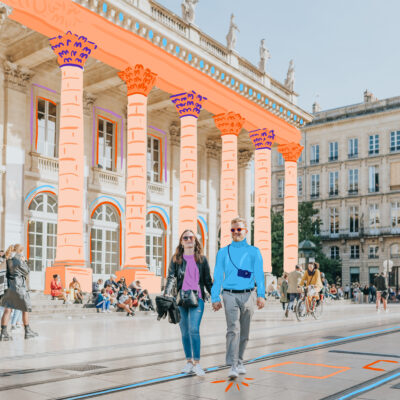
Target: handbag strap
{"x": 229, "y": 254}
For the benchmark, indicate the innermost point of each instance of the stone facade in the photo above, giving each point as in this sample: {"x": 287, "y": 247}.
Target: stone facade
{"x": 374, "y": 193}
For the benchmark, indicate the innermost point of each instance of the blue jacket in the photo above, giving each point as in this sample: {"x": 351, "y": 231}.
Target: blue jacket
{"x": 244, "y": 256}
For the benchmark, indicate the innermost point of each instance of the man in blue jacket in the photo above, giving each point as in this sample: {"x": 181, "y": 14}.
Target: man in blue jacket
{"x": 238, "y": 268}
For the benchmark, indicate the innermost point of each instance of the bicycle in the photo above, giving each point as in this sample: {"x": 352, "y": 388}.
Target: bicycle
{"x": 308, "y": 304}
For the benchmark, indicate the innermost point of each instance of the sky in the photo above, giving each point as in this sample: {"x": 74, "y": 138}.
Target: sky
{"x": 340, "y": 48}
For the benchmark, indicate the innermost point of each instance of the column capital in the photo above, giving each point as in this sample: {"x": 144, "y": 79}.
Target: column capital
{"x": 229, "y": 123}
{"x": 88, "y": 102}
{"x": 244, "y": 157}
{"x": 5, "y": 11}
{"x": 71, "y": 49}
{"x": 175, "y": 133}
{"x": 188, "y": 103}
{"x": 15, "y": 76}
{"x": 213, "y": 148}
{"x": 139, "y": 80}
{"x": 262, "y": 138}
{"x": 290, "y": 151}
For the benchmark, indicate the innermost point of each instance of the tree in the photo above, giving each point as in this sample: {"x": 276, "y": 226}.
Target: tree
{"x": 277, "y": 243}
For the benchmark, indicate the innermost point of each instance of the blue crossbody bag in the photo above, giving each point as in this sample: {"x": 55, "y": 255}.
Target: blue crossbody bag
{"x": 243, "y": 273}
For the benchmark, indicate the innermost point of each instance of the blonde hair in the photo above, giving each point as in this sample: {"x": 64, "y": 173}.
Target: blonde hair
{"x": 238, "y": 220}
{"x": 9, "y": 251}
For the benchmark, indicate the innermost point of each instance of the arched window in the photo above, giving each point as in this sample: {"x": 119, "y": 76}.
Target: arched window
{"x": 395, "y": 250}
{"x": 42, "y": 231}
{"x": 155, "y": 243}
{"x": 104, "y": 240}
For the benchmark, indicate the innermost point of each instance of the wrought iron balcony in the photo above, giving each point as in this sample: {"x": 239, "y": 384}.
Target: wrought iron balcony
{"x": 333, "y": 158}
{"x": 353, "y": 155}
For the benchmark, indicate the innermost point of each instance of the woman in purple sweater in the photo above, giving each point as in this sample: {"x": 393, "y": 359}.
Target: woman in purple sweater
{"x": 190, "y": 270}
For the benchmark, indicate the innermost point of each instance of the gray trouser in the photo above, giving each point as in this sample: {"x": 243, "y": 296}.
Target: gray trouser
{"x": 239, "y": 308}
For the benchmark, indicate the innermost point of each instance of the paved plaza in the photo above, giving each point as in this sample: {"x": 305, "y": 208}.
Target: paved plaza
{"x": 350, "y": 348}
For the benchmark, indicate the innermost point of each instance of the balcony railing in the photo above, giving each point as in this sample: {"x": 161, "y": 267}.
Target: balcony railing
{"x": 45, "y": 165}
{"x": 333, "y": 193}
{"x": 333, "y": 158}
{"x": 373, "y": 152}
{"x": 373, "y": 189}
{"x": 353, "y": 155}
{"x": 353, "y": 192}
{"x": 314, "y": 161}
{"x": 103, "y": 177}
{"x": 156, "y": 187}
{"x": 314, "y": 195}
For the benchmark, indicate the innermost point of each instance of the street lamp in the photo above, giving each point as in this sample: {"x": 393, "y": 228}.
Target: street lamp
{"x": 306, "y": 251}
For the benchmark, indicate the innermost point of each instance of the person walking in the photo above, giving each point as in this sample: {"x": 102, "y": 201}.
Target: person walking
{"x": 190, "y": 271}
{"x": 294, "y": 279}
{"x": 17, "y": 295}
{"x": 238, "y": 268}
{"x": 284, "y": 291}
{"x": 381, "y": 291}
{"x": 347, "y": 291}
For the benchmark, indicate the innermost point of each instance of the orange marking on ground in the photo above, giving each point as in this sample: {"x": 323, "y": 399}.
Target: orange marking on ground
{"x": 376, "y": 362}
{"x": 229, "y": 386}
{"x": 218, "y": 381}
{"x": 238, "y": 387}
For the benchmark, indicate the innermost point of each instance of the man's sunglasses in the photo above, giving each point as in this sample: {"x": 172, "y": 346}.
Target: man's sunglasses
{"x": 233, "y": 230}
{"x": 186, "y": 238}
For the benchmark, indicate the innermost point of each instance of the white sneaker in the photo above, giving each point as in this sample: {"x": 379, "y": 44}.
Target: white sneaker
{"x": 198, "y": 370}
{"x": 386, "y": 311}
{"x": 233, "y": 372}
{"x": 188, "y": 368}
{"x": 241, "y": 369}
{"x": 378, "y": 310}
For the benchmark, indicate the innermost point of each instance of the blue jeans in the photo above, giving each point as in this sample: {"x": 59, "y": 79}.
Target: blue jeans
{"x": 190, "y": 330}
{"x": 292, "y": 298}
{"x": 16, "y": 316}
{"x": 104, "y": 305}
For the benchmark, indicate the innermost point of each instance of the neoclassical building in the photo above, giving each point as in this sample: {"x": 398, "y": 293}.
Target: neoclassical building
{"x": 123, "y": 124}
{"x": 350, "y": 169}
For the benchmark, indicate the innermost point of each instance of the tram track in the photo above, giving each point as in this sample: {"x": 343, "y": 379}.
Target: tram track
{"x": 164, "y": 379}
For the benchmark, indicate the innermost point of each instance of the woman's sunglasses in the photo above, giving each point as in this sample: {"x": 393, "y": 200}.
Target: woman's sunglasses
{"x": 186, "y": 238}
{"x": 233, "y": 230}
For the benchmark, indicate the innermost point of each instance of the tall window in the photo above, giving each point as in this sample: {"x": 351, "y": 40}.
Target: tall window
{"x": 104, "y": 243}
{"x": 333, "y": 151}
{"x": 300, "y": 186}
{"x": 314, "y": 154}
{"x": 373, "y": 252}
{"x": 334, "y": 253}
{"x": 281, "y": 188}
{"x": 353, "y": 181}
{"x": 333, "y": 183}
{"x": 155, "y": 243}
{"x": 353, "y": 219}
{"x": 355, "y": 274}
{"x": 373, "y": 144}
{"x": 395, "y": 141}
{"x": 353, "y": 148}
{"x": 395, "y": 250}
{"x": 46, "y": 127}
{"x": 281, "y": 161}
{"x": 301, "y": 157}
{"x": 395, "y": 214}
{"x": 153, "y": 159}
{"x": 355, "y": 251}
{"x": 333, "y": 221}
{"x": 374, "y": 219}
{"x": 315, "y": 186}
{"x": 373, "y": 179}
{"x": 106, "y": 143}
{"x": 42, "y": 232}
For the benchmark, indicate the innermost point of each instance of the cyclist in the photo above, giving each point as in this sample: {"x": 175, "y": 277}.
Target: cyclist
{"x": 312, "y": 280}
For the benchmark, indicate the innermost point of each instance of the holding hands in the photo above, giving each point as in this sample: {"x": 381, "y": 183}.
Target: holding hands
{"x": 217, "y": 306}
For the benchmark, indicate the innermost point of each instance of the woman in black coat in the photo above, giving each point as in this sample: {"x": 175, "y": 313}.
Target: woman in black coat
{"x": 17, "y": 296}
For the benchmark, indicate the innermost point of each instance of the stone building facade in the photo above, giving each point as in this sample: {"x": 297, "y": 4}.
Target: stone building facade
{"x": 350, "y": 169}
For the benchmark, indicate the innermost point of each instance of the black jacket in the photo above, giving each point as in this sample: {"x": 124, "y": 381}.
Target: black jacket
{"x": 380, "y": 283}
{"x": 176, "y": 273}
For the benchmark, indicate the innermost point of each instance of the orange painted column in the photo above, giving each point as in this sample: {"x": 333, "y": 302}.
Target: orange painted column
{"x": 291, "y": 153}
{"x": 72, "y": 51}
{"x": 263, "y": 141}
{"x": 139, "y": 82}
{"x": 188, "y": 106}
{"x": 230, "y": 125}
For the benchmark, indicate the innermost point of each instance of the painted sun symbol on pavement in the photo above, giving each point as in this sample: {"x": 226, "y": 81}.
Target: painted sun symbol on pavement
{"x": 237, "y": 384}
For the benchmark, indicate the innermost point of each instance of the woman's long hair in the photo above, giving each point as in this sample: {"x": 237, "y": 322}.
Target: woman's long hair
{"x": 9, "y": 251}
{"x": 198, "y": 249}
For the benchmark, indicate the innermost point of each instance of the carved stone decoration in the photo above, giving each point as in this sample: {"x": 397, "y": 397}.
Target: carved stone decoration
{"x": 231, "y": 36}
{"x": 5, "y": 11}
{"x": 188, "y": 104}
{"x": 264, "y": 56}
{"x": 175, "y": 133}
{"x": 71, "y": 49}
{"x": 229, "y": 123}
{"x": 262, "y": 138}
{"x": 88, "y": 101}
{"x": 244, "y": 157}
{"x": 188, "y": 10}
{"x": 138, "y": 79}
{"x": 213, "y": 147}
{"x": 289, "y": 81}
{"x": 16, "y": 77}
{"x": 290, "y": 151}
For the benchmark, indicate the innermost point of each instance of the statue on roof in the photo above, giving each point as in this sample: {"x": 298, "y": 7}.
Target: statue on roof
{"x": 264, "y": 56}
{"x": 231, "y": 36}
{"x": 188, "y": 10}
{"x": 289, "y": 81}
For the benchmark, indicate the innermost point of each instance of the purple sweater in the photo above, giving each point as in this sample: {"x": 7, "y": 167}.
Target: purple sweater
{"x": 192, "y": 275}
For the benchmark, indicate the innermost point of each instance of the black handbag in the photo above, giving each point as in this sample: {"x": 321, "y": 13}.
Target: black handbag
{"x": 188, "y": 298}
